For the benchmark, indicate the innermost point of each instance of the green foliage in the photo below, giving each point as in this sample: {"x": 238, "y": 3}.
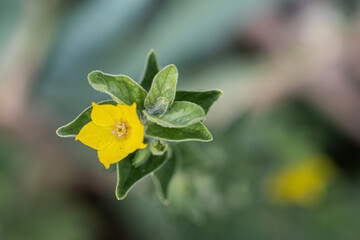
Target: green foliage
{"x": 179, "y": 115}
{"x": 151, "y": 69}
{"x": 164, "y": 120}
{"x": 204, "y": 99}
{"x": 120, "y": 87}
{"x": 73, "y": 128}
{"x": 195, "y": 132}
{"x": 163, "y": 85}
{"x": 128, "y": 174}
{"x": 162, "y": 177}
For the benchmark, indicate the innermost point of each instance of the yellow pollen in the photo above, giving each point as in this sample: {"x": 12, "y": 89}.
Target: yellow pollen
{"x": 120, "y": 129}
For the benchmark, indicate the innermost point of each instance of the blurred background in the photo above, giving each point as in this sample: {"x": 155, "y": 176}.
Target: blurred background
{"x": 285, "y": 159}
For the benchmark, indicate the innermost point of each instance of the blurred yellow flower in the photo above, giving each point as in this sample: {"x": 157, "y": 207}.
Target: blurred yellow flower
{"x": 115, "y": 131}
{"x": 303, "y": 184}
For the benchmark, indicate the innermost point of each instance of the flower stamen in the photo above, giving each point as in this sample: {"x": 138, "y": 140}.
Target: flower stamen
{"x": 120, "y": 129}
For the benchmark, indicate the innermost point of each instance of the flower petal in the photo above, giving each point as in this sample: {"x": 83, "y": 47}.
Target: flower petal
{"x": 129, "y": 113}
{"x": 135, "y": 138}
{"x": 105, "y": 115}
{"x": 112, "y": 154}
{"x": 95, "y": 136}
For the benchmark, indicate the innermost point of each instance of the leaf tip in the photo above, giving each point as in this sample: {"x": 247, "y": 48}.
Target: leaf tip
{"x": 172, "y": 66}
{"x": 151, "y": 52}
{"x": 210, "y": 136}
{"x": 58, "y": 131}
{"x": 118, "y": 195}
{"x": 93, "y": 76}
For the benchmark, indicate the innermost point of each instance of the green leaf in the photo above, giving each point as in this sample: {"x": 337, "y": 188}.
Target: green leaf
{"x": 204, "y": 99}
{"x": 195, "y": 132}
{"x": 163, "y": 85}
{"x": 162, "y": 177}
{"x": 73, "y": 128}
{"x": 158, "y": 147}
{"x": 151, "y": 69}
{"x": 128, "y": 175}
{"x": 120, "y": 87}
{"x": 141, "y": 156}
{"x": 179, "y": 115}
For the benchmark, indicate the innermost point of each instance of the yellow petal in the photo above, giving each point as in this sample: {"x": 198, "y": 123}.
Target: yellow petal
{"x": 129, "y": 113}
{"x": 134, "y": 139}
{"x": 94, "y": 136}
{"x": 105, "y": 115}
{"x": 112, "y": 154}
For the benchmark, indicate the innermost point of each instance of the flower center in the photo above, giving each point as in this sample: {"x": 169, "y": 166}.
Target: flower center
{"x": 120, "y": 129}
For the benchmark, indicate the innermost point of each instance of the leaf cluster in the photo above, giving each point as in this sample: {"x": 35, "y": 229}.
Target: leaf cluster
{"x": 168, "y": 116}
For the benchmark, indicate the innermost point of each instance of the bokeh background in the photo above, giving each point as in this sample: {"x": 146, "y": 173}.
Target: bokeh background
{"x": 284, "y": 163}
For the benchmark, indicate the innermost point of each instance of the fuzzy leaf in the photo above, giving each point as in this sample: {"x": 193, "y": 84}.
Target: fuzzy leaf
{"x": 162, "y": 177}
{"x": 204, "y": 99}
{"x": 179, "y": 115}
{"x": 141, "y": 156}
{"x": 120, "y": 87}
{"x": 151, "y": 69}
{"x": 128, "y": 175}
{"x": 73, "y": 128}
{"x": 163, "y": 85}
{"x": 195, "y": 132}
{"x": 158, "y": 147}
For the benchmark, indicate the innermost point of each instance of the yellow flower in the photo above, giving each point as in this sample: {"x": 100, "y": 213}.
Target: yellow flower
{"x": 303, "y": 184}
{"x": 115, "y": 131}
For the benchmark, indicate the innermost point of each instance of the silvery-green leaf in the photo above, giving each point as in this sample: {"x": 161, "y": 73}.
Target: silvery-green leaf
{"x": 204, "y": 99}
{"x": 128, "y": 175}
{"x": 179, "y": 115}
{"x": 195, "y": 132}
{"x": 162, "y": 177}
{"x": 151, "y": 69}
{"x": 73, "y": 128}
{"x": 163, "y": 85}
{"x": 120, "y": 87}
